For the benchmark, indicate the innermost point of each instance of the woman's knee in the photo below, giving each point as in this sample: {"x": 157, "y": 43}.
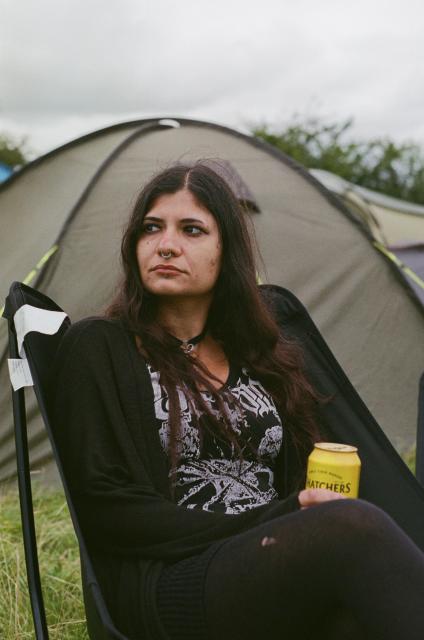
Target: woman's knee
{"x": 358, "y": 518}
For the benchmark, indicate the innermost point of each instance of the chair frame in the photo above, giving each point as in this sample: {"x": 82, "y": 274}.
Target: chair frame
{"x": 25, "y": 499}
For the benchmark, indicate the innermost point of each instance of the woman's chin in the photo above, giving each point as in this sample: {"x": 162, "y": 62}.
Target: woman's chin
{"x": 167, "y": 288}
{"x": 163, "y": 291}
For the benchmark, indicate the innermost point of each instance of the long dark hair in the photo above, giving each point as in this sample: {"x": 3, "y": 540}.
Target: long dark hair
{"x": 239, "y": 318}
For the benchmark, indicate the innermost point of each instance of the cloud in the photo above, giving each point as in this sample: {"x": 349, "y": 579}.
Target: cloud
{"x": 66, "y": 66}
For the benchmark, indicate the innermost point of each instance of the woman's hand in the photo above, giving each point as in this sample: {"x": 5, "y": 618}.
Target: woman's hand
{"x": 310, "y": 497}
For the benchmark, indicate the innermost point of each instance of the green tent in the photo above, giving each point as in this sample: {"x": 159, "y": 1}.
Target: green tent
{"x": 397, "y": 226}
{"x": 62, "y": 218}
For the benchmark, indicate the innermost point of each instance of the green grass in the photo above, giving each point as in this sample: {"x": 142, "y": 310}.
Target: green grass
{"x": 59, "y": 568}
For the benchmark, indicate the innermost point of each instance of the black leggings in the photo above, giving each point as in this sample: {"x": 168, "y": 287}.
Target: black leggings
{"x": 341, "y": 570}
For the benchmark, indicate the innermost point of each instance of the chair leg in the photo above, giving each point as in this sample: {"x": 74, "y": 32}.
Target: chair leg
{"x": 27, "y": 512}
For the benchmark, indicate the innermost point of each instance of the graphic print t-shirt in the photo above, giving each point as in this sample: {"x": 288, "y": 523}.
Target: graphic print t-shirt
{"x": 210, "y": 474}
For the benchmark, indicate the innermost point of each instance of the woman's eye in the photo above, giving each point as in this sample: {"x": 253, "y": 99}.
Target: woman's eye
{"x": 192, "y": 230}
{"x": 150, "y": 227}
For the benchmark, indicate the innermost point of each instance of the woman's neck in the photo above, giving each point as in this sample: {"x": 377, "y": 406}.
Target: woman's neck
{"x": 183, "y": 318}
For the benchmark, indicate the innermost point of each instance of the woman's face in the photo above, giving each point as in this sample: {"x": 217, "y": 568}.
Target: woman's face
{"x": 178, "y": 225}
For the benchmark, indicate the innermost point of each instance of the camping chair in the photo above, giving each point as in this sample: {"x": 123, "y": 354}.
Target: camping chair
{"x": 40, "y": 349}
{"x": 385, "y": 481}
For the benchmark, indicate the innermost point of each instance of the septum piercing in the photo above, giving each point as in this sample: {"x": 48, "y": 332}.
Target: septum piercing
{"x": 165, "y": 256}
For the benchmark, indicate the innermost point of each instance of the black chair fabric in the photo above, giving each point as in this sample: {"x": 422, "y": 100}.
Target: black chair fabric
{"x": 385, "y": 478}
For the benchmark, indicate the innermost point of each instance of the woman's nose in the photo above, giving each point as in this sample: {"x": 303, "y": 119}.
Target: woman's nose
{"x": 169, "y": 242}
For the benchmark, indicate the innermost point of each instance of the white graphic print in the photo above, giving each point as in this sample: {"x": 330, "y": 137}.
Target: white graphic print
{"x": 214, "y": 479}
{"x": 252, "y": 396}
{"x": 271, "y": 441}
{"x": 224, "y": 485}
{"x": 189, "y": 444}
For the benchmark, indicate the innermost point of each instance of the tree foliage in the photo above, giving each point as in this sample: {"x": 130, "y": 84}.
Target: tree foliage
{"x": 13, "y": 152}
{"x": 379, "y": 164}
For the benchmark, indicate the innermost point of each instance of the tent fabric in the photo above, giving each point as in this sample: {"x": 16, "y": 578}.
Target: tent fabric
{"x": 391, "y": 220}
{"x": 394, "y": 223}
{"x": 240, "y": 189}
{"x": 82, "y": 194}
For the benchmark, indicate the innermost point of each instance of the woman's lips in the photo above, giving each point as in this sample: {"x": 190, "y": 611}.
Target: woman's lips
{"x": 166, "y": 267}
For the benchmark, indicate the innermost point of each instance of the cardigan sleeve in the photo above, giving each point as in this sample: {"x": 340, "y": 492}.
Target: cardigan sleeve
{"x": 120, "y": 509}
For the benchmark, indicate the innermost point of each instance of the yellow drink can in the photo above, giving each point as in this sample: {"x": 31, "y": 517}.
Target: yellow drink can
{"x": 334, "y": 466}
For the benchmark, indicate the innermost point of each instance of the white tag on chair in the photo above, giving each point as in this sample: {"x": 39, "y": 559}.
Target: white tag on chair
{"x": 27, "y": 319}
{"x": 19, "y": 373}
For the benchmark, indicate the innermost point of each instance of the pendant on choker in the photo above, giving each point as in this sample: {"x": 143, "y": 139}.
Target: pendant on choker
{"x": 188, "y": 345}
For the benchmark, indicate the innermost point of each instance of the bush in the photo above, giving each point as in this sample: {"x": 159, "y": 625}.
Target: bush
{"x": 14, "y": 153}
{"x": 379, "y": 164}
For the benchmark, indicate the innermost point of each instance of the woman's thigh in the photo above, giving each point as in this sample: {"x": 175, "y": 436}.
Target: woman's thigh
{"x": 268, "y": 582}
{"x": 313, "y": 573}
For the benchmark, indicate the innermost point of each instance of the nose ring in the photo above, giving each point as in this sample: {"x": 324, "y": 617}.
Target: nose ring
{"x": 164, "y": 255}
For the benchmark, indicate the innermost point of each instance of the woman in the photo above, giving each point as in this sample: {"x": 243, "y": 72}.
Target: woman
{"x": 181, "y": 413}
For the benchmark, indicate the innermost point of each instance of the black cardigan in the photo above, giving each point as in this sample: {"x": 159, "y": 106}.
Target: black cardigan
{"x": 117, "y": 472}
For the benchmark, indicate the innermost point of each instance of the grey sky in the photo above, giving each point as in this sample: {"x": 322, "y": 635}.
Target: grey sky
{"x": 70, "y": 66}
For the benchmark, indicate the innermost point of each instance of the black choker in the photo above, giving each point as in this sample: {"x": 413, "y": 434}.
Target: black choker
{"x": 188, "y": 345}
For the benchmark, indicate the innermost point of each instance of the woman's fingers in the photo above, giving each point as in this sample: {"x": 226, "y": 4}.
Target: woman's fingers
{"x": 310, "y": 497}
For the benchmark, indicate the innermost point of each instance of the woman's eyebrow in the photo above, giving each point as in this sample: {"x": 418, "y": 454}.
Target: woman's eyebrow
{"x": 183, "y": 220}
